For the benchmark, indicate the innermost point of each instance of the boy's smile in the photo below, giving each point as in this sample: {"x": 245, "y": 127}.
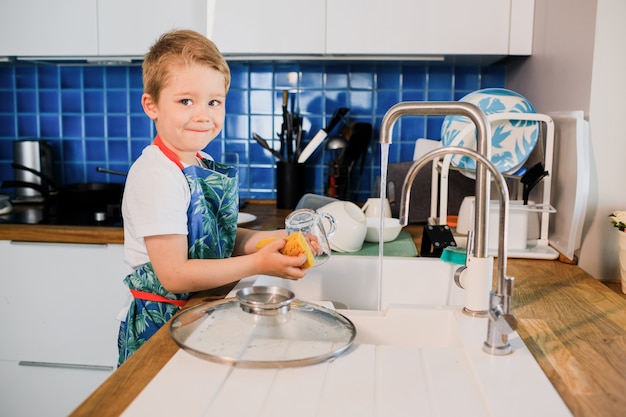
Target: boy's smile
{"x": 190, "y": 111}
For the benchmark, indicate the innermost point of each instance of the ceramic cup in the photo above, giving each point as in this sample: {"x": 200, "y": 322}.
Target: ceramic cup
{"x": 371, "y": 208}
{"x": 316, "y": 227}
{"x": 351, "y": 226}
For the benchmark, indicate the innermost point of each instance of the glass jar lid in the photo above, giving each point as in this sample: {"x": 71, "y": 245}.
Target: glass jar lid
{"x": 264, "y": 327}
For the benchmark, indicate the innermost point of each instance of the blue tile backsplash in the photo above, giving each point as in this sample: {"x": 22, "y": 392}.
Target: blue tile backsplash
{"x": 92, "y": 115}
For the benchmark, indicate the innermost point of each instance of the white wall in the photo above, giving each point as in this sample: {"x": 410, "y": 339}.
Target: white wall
{"x": 579, "y": 63}
{"x": 607, "y": 117}
{"x": 557, "y": 77}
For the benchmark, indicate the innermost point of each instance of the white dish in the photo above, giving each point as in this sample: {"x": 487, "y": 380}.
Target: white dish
{"x": 351, "y": 226}
{"x": 391, "y": 229}
{"x": 245, "y": 218}
{"x": 512, "y": 140}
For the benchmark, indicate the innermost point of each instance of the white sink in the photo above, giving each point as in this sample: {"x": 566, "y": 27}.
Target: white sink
{"x": 406, "y": 326}
{"x": 351, "y": 282}
{"x": 418, "y": 355}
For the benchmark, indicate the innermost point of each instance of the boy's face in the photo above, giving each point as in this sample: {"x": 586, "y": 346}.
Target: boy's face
{"x": 190, "y": 111}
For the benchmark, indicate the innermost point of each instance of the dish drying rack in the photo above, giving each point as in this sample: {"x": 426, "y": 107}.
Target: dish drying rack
{"x": 536, "y": 248}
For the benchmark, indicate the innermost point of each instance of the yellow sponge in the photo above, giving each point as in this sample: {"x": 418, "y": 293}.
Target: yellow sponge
{"x": 264, "y": 242}
{"x": 295, "y": 245}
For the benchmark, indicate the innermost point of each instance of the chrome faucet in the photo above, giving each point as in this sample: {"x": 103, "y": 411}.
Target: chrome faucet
{"x": 483, "y": 145}
{"x": 501, "y": 320}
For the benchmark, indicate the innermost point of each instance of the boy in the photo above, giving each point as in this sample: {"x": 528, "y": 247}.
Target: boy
{"x": 180, "y": 207}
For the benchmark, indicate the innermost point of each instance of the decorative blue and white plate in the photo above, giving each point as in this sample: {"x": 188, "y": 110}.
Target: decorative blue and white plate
{"x": 512, "y": 141}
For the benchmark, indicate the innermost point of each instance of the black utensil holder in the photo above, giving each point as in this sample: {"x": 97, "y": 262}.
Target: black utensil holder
{"x": 289, "y": 184}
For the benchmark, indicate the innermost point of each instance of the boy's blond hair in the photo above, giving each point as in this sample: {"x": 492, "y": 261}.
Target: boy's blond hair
{"x": 179, "y": 48}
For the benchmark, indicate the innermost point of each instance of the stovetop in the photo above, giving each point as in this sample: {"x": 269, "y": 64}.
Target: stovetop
{"x": 52, "y": 213}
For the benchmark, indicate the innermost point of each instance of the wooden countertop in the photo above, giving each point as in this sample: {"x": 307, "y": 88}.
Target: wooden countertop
{"x": 61, "y": 234}
{"x": 574, "y": 325}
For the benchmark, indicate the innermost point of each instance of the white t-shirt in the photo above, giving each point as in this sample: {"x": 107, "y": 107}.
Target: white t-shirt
{"x": 155, "y": 202}
{"x": 156, "y": 198}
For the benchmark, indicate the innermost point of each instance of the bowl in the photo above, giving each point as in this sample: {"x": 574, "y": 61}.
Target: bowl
{"x": 391, "y": 229}
{"x": 512, "y": 140}
{"x": 350, "y": 226}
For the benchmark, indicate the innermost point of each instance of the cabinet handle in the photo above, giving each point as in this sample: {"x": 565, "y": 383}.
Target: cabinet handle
{"x": 66, "y": 365}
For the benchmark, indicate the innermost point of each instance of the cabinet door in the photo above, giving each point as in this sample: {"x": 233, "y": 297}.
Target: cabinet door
{"x": 39, "y": 391}
{"x": 60, "y": 302}
{"x": 131, "y": 27}
{"x": 50, "y": 27}
{"x": 416, "y": 27}
{"x": 270, "y": 26}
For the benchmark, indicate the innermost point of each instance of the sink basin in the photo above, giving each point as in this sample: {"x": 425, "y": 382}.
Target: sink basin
{"x": 351, "y": 282}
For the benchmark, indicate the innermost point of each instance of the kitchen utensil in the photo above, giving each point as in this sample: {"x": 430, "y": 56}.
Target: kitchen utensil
{"x": 391, "y": 229}
{"x": 359, "y": 136}
{"x": 283, "y": 129}
{"x": 42, "y": 191}
{"x": 266, "y": 301}
{"x": 289, "y": 125}
{"x": 319, "y": 137}
{"x": 263, "y": 327}
{"x": 298, "y": 150}
{"x": 351, "y": 226}
{"x": 531, "y": 178}
{"x": 512, "y": 140}
{"x": 316, "y": 227}
{"x": 87, "y": 199}
{"x": 243, "y": 218}
{"x": 267, "y": 147}
{"x": 33, "y": 164}
{"x": 337, "y": 142}
{"x": 371, "y": 208}
{"x": 360, "y": 139}
{"x": 337, "y": 175}
{"x": 111, "y": 171}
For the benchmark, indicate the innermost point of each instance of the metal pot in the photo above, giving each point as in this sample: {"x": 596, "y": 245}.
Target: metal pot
{"x": 98, "y": 200}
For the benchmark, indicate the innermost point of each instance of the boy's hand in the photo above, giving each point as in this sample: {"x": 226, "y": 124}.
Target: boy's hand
{"x": 273, "y": 262}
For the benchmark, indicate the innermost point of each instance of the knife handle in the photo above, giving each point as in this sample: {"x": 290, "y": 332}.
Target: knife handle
{"x": 285, "y": 98}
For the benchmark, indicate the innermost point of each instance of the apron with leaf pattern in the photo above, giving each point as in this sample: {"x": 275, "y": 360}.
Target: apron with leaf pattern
{"x": 212, "y": 228}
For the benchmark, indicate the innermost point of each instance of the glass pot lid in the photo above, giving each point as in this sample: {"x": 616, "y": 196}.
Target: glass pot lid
{"x": 264, "y": 327}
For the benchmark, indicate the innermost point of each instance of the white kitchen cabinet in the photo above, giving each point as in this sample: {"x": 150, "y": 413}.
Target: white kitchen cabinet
{"x": 428, "y": 27}
{"x": 391, "y": 28}
{"x": 130, "y": 27}
{"x": 270, "y": 27}
{"x": 92, "y": 28}
{"x": 50, "y": 392}
{"x": 275, "y": 28}
{"x": 52, "y": 27}
{"x": 58, "y": 321}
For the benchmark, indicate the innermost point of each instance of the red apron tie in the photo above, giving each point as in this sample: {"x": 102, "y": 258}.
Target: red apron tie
{"x": 142, "y": 295}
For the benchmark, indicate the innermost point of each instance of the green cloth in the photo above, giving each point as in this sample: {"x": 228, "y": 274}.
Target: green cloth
{"x": 403, "y": 245}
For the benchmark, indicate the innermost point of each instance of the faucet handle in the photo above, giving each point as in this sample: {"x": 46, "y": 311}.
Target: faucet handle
{"x": 469, "y": 248}
{"x": 504, "y": 322}
{"x": 457, "y": 276}
{"x": 501, "y": 323}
